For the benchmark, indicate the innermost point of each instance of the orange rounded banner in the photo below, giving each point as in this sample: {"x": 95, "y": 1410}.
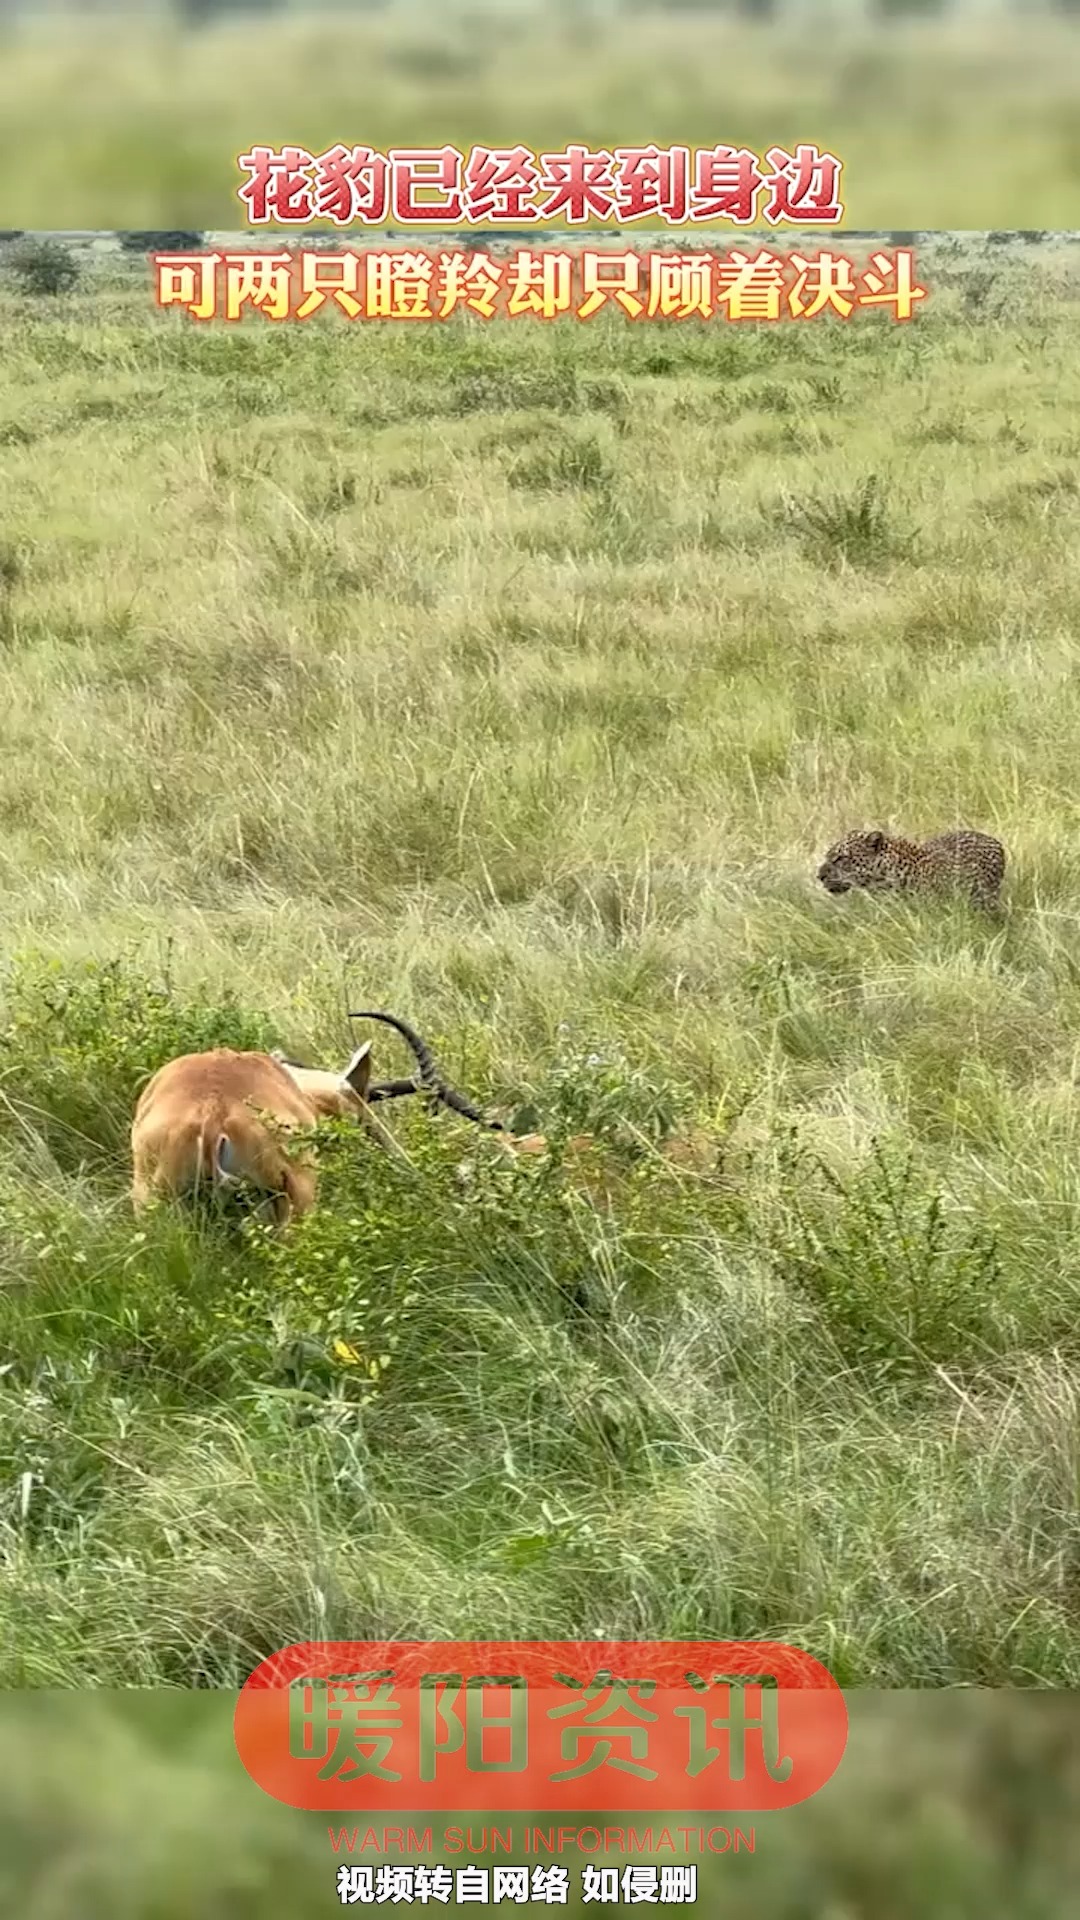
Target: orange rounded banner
{"x": 541, "y": 1725}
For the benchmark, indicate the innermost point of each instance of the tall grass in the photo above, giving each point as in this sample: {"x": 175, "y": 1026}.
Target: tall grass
{"x": 513, "y": 678}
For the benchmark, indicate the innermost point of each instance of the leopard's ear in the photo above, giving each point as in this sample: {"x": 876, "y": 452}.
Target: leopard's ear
{"x": 876, "y": 840}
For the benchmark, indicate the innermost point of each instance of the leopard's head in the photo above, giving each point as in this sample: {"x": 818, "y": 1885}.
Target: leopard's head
{"x": 860, "y": 860}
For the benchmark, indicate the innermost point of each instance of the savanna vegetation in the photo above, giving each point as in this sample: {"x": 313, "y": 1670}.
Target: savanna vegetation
{"x": 513, "y": 677}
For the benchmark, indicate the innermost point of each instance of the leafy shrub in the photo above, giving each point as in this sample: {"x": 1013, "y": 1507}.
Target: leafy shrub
{"x": 77, "y": 1043}
{"x": 903, "y": 1285}
{"x": 601, "y": 1094}
{"x": 391, "y": 1275}
{"x": 43, "y": 266}
{"x": 855, "y": 527}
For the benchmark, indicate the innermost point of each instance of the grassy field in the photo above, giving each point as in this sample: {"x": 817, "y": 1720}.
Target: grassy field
{"x": 968, "y": 122}
{"x": 514, "y": 678}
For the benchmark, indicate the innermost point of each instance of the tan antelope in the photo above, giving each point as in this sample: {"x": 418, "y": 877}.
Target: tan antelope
{"x": 221, "y": 1120}
{"x": 213, "y": 1121}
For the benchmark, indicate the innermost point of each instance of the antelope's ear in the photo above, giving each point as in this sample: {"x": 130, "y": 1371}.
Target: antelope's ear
{"x": 357, "y": 1075}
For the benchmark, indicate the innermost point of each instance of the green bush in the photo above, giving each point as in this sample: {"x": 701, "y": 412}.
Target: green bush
{"x": 903, "y": 1284}
{"x": 43, "y": 266}
{"x": 76, "y": 1045}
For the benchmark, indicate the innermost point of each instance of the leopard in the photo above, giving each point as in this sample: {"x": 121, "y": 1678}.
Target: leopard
{"x": 962, "y": 861}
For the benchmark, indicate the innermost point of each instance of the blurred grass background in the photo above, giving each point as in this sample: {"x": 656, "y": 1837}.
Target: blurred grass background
{"x": 944, "y": 117}
{"x": 946, "y": 1807}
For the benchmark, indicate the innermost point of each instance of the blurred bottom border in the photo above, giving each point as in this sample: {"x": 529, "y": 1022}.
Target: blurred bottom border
{"x": 135, "y": 1804}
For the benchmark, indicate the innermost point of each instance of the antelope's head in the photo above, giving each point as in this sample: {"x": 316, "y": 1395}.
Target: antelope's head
{"x": 333, "y": 1095}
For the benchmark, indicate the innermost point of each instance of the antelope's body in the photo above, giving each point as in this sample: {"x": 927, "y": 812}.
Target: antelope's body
{"x": 213, "y": 1121}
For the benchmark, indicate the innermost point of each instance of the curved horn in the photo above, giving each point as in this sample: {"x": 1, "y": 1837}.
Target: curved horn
{"x": 391, "y": 1090}
{"x": 430, "y": 1077}
{"x": 429, "y": 1074}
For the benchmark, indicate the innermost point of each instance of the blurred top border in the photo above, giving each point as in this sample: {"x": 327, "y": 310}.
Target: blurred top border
{"x": 123, "y": 240}
{"x": 956, "y": 115}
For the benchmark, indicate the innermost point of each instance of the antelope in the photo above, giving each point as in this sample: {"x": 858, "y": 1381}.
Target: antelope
{"x": 198, "y": 1123}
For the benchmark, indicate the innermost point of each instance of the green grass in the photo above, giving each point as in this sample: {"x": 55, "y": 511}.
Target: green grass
{"x": 514, "y": 678}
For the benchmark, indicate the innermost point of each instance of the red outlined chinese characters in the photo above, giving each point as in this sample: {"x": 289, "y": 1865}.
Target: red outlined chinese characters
{"x": 804, "y": 187}
{"x": 188, "y": 281}
{"x": 652, "y": 184}
{"x": 398, "y": 286}
{"x": 278, "y": 189}
{"x": 751, "y": 287}
{"x": 610, "y": 276}
{"x": 543, "y": 1725}
{"x": 329, "y": 276}
{"x": 727, "y": 185}
{"x": 501, "y": 183}
{"x": 539, "y": 283}
{"x": 435, "y": 173}
{"x": 352, "y": 184}
{"x": 903, "y": 293}
{"x": 577, "y": 185}
{"x": 260, "y": 281}
{"x": 829, "y": 281}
